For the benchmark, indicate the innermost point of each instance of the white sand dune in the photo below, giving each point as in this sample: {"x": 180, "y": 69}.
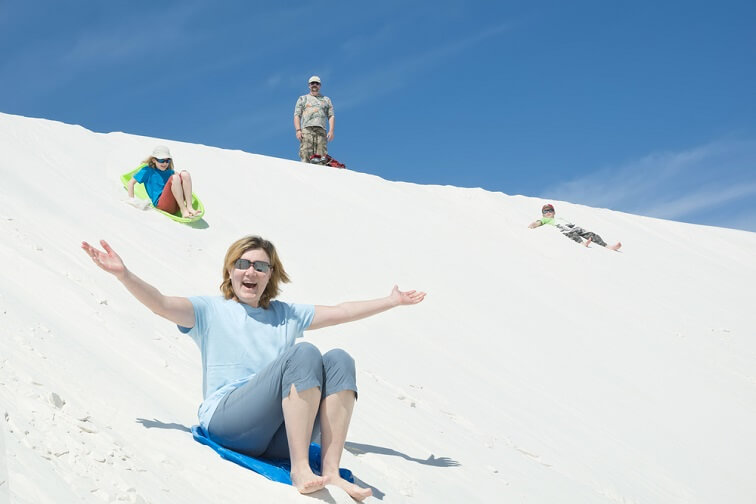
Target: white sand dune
{"x": 535, "y": 371}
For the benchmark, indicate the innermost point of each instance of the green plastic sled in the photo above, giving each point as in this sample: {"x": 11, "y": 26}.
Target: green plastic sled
{"x": 141, "y": 193}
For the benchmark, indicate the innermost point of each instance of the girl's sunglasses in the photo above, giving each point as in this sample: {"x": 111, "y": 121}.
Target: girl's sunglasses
{"x": 244, "y": 264}
{"x": 161, "y": 161}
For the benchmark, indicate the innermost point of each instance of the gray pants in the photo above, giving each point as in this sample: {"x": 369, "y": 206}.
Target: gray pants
{"x": 250, "y": 419}
{"x": 577, "y": 233}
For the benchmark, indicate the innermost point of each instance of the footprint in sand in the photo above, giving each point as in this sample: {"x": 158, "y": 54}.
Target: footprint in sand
{"x": 412, "y": 402}
{"x": 534, "y": 456}
{"x": 56, "y": 400}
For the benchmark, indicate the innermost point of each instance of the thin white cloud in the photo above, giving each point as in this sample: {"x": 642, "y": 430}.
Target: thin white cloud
{"x": 397, "y": 74}
{"x": 49, "y": 63}
{"x": 125, "y": 38}
{"x": 273, "y": 80}
{"x": 670, "y": 185}
{"x": 701, "y": 201}
{"x": 355, "y": 47}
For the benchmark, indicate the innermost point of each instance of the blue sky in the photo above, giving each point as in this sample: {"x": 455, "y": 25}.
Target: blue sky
{"x": 647, "y": 107}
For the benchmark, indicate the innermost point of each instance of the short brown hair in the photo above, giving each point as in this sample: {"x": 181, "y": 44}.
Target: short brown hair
{"x": 277, "y": 276}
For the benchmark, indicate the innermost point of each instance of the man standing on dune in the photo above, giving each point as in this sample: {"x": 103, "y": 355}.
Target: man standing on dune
{"x": 311, "y": 113}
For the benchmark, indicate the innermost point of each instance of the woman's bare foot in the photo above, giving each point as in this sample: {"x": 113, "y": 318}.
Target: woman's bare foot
{"x": 307, "y": 482}
{"x": 356, "y": 492}
{"x": 616, "y": 246}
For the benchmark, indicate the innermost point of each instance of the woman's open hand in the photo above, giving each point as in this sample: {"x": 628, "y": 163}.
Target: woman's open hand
{"x": 406, "y": 297}
{"x": 107, "y": 260}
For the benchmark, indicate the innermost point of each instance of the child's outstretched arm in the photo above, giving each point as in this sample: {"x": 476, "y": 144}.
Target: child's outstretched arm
{"x": 178, "y": 310}
{"x": 355, "y": 310}
{"x": 130, "y": 187}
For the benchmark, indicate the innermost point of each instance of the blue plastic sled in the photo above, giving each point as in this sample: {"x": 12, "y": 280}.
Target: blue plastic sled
{"x": 276, "y": 470}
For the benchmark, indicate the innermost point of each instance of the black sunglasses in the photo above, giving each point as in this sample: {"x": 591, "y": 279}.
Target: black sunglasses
{"x": 244, "y": 264}
{"x": 314, "y": 83}
{"x": 161, "y": 161}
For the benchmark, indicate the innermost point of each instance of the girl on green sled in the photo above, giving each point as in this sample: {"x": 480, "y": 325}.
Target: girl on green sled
{"x": 169, "y": 191}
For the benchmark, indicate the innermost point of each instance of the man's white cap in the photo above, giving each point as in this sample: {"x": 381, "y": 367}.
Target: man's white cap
{"x": 161, "y": 152}
{"x": 314, "y": 78}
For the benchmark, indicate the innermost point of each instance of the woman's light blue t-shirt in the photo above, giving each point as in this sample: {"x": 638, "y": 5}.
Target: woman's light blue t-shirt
{"x": 237, "y": 341}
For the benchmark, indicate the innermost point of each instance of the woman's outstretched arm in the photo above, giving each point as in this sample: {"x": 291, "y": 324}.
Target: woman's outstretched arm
{"x": 355, "y": 310}
{"x": 176, "y": 309}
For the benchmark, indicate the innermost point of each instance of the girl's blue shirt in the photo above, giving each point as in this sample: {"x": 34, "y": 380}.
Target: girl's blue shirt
{"x": 154, "y": 181}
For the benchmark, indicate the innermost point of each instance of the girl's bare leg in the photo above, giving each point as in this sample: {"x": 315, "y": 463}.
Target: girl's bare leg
{"x": 300, "y": 409}
{"x": 186, "y": 184}
{"x": 178, "y": 193}
{"x": 181, "y": 187}
{"x": 335, "y": 415}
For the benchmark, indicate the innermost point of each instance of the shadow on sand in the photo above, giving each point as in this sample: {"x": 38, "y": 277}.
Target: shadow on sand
{"x": 199, "y": 224}
{"x": 157, "y": 424}
{"x": 360, "y": 448}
